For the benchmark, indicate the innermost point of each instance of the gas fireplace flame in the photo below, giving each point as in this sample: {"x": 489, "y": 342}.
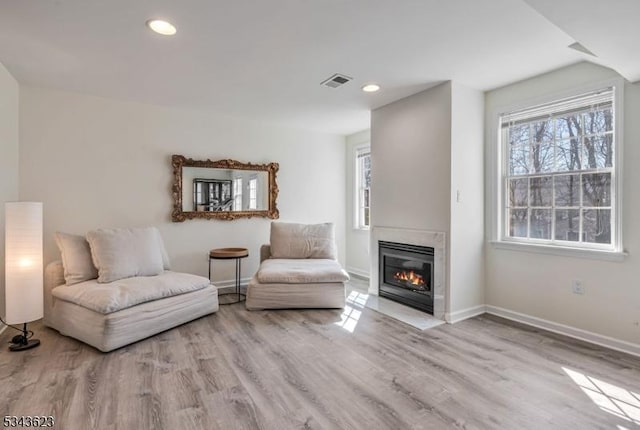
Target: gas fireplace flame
{"x": 411, "y": 277}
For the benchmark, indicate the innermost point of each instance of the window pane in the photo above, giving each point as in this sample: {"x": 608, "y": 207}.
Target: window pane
{"x": 519, "y": 160}
{"x": 567, "y": 189}
{"x": 596, "y": 225}
{"x": 540, "y": 224}
{"x": 568, "y": 154}
{"x": 599, "y": 121}
{"x": 518, "y": 192}
{"x": 519, "y": 135}
{"x": 568, "y": 126}
{"x": 596, "y": 189}
{"x": 598, "y": 151}
{"x": 366, "y": 171}
{"x": 542, "y": 157}
{"x": 541, "y": 191}
{"x": 518, "y": 222}
{"x": 567, "y": 224}
{"x": 542, "y": 131}
{"x": 362, "y": 183}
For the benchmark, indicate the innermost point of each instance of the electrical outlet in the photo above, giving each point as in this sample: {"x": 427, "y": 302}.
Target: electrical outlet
{"x": 577, "y": 287}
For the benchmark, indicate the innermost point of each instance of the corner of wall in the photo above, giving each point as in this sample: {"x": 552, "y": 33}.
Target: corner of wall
{"x": 9, "y": 153}
{"x": 467, "y": 255}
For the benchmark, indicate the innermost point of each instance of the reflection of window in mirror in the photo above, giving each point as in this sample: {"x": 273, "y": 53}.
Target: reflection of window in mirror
{"x": 237, "y": 193}
{"x": 253, "y": 192}
{"x": 198, "y": 195}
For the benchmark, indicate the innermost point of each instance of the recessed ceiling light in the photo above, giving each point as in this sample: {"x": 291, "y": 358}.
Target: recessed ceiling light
{"x": 371, "y": 88}
{"x": 162, "y": 27}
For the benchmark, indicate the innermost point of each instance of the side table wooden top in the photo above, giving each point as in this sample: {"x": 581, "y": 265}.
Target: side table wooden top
{"x": 229, "y": 253}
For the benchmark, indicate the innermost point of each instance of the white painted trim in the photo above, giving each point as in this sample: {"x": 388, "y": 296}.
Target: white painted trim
{"x": 619, "y": 90}
{"x": 463, "y": 314}
{"x": 594, "y": 254}
{"x": 587, "y": 336}
{"x": 358, "y": 273}
{"x": 231, "y": 283}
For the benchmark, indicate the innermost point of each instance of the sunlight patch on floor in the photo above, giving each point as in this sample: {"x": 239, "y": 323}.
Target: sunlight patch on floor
{"x": 610, "y": 398}
{"x": 352, "y": 311}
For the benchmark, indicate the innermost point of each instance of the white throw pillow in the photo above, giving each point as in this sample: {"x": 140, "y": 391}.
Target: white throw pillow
{"x": 290, "y": 240}
{"x": 76, "y": 258}
{"x": 120, "y": 253}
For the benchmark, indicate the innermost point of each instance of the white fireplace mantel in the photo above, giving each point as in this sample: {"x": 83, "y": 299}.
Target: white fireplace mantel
{"x": 433, "y": 239}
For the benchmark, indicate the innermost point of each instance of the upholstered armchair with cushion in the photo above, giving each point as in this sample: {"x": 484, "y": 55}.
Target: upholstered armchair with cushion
{"x": 114, "y": 287}
{"x": 298, "y": 269}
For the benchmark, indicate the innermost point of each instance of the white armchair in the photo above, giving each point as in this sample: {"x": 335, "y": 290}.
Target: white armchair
{"x": 299, "y": 269}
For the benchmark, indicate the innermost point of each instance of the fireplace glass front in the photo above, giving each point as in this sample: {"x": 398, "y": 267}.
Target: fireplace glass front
{"x": 406, "y": 274}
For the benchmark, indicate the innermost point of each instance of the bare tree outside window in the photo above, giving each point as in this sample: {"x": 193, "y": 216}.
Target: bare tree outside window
{"x": 559, "y": 169}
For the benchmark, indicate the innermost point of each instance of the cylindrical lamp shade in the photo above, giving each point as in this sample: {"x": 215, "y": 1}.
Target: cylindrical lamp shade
{"x": 23, "y": 262}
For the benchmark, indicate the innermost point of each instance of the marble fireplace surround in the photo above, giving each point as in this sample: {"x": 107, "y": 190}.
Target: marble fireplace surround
{"x": 434, "y": 239}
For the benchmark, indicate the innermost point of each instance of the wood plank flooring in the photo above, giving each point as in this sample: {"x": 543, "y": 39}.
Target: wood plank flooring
{"x": 300, "y": 370}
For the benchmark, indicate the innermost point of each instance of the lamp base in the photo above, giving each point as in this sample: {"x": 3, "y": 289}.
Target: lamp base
{"x": 31, "y": 343}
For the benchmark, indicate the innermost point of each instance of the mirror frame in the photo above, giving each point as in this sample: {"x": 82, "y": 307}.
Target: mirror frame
{"x": 180, "y": 161}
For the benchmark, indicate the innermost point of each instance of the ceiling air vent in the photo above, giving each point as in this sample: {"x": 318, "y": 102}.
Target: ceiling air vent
{"x": 336, "y": 81}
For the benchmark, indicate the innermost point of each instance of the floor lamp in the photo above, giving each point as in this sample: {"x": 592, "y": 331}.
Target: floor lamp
{"x": 23, "y": 268}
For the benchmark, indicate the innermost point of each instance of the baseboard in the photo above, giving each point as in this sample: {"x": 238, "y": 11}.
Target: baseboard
{"x": 231, "y": 283}
{"x": 587, "y": 336}
{"x": 358, "y": 273}
{"x": 457, "y": 316}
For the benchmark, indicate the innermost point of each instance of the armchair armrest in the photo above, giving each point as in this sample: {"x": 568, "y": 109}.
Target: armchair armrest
{"x": 53, "y": 277}
{"x": 265, "y": 252}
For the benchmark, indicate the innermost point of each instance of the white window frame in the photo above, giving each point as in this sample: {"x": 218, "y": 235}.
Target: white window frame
{"x": 358, "y": 190}
{"x": 498, "y": 163}
{"x": 237, "y": 193}
{"x": 253, "y": 192}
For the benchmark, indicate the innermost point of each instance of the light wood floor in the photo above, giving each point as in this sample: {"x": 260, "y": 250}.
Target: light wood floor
{"x": 300, "y": 370}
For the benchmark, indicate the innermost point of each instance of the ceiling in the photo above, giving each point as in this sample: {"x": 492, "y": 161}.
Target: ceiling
{"x": 264, "y": 60}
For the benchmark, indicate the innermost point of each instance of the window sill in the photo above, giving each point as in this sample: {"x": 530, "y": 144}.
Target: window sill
{"x": 594, "y": 254}
{"x": 361, "y": 228}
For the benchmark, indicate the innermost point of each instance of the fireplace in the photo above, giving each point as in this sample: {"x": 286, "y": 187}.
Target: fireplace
{"x": 406, "y": 274}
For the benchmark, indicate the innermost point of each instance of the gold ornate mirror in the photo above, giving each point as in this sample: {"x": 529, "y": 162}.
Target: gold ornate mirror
{"x": 223, "y": 189}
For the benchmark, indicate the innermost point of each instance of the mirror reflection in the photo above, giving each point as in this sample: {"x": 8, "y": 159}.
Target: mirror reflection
{"x": 224, "y": 190}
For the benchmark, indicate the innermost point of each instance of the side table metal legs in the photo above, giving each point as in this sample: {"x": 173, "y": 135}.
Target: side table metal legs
{"x": 227, "y": 254}
{"x": 238, "y": 275}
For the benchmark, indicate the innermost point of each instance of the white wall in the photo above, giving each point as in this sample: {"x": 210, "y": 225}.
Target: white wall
{"x": 96, "y": 162}
{"x": 357, "y": 240}
{"x": 410, "y": 161}
{"x": 9, "y": 101}
{"x": 540, "y": 285}
{"x": 466, "y": 256}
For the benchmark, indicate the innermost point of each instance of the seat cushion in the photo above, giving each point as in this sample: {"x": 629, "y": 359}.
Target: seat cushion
{"x": 298, "y": 271}
{"x": 125, "y": 293}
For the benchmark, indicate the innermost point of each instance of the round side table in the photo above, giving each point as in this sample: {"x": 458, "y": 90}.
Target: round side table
{"x": 230, "y": 254}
